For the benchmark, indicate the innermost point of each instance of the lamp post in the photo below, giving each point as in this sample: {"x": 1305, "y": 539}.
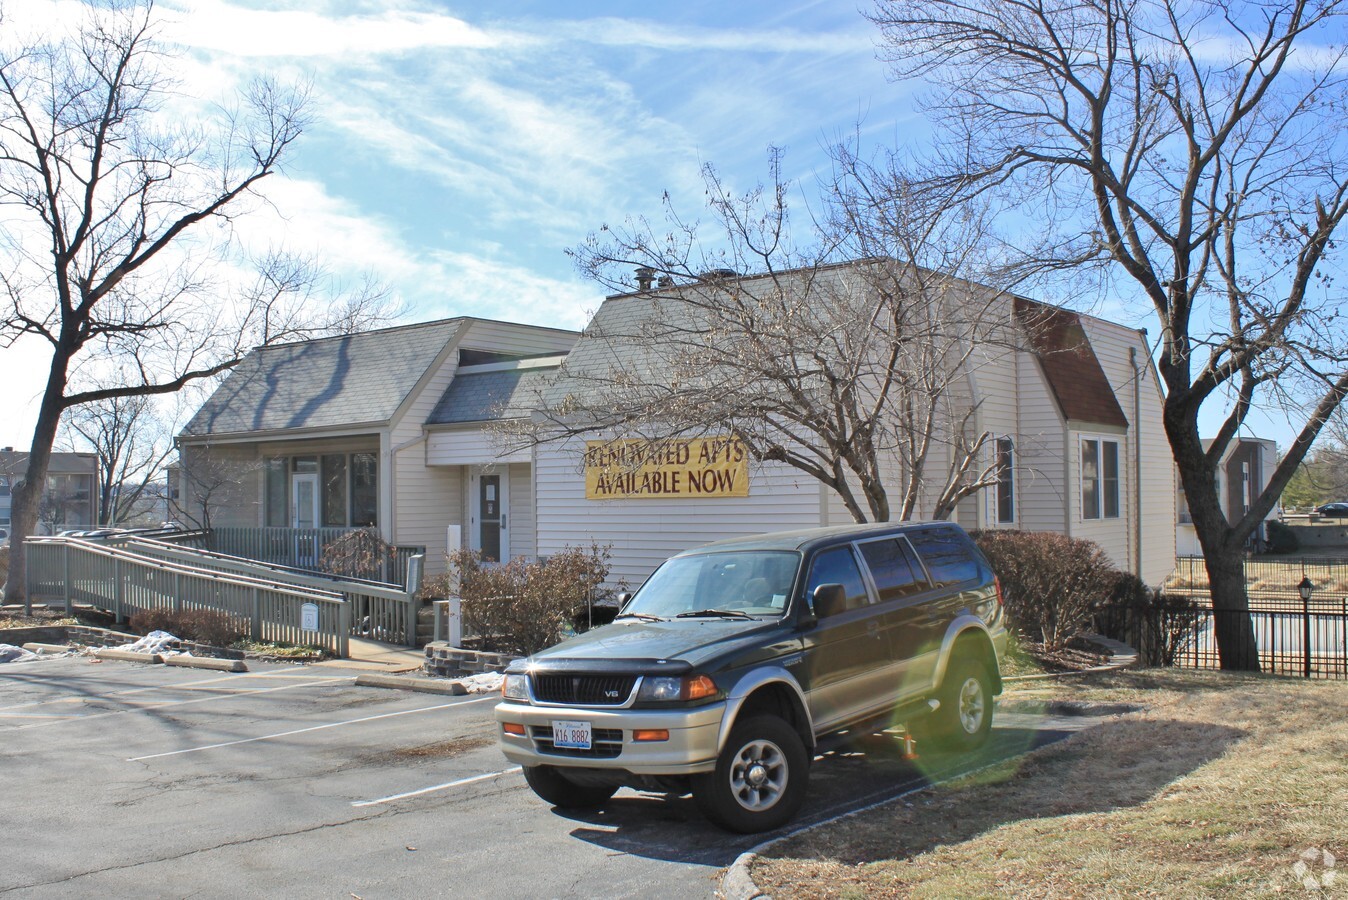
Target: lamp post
{"x": 1305, "y": 589}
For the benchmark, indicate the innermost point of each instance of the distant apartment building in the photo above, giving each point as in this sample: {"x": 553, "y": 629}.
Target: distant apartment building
{"x": 69, "y": 499}
{"x": 1241, "y": 476}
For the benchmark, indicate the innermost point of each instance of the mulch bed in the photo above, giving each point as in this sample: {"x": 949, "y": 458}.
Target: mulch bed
{"x": 1078, "y": 655}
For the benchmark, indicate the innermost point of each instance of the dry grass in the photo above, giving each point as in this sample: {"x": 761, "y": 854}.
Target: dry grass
{"x": 1213, "y": 791}
{"x": 38, "y": 619}
{"x": 1269, "y": 576}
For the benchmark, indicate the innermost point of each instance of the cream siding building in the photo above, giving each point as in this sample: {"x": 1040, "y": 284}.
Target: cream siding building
{"x": 399, "y": 428}
{"x": 337, "y": 433}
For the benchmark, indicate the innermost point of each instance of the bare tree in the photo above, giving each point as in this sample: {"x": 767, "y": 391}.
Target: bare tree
{"x": 64, "y": 504}
{"x": 854, "y": 372}
{"x": 119, "y": 214}
{"x": 132, "y": 443}
{"x": 208, "y": 483}
{"x": 1190, "y": 154}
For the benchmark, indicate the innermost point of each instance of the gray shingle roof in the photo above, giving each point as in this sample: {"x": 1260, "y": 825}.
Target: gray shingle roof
{"x": 486, "y": 396}
{"x": 15, "y": 463}
{"x": 335, "y": 381}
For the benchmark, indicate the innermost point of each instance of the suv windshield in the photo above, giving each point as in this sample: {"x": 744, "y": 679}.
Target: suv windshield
{"x": 752, "y": 582}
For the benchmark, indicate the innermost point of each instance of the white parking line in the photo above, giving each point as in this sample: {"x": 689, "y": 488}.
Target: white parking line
{"x": 281, "y": 734}
{"x": 184, "y": 686}
{"x": 122, "y": 712}
{"x": 437, "y": 787}
{"x": 38, "y": 716}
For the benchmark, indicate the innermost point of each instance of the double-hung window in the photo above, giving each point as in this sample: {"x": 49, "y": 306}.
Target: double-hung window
{"x": 1099, "y": 479}
{"x": 1006, "y": 480}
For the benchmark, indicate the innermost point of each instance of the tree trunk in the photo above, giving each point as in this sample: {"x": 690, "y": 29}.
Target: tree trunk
{"x": 1222, "y": 545}
{"x": 1232, "y": 623}
{"x": 27, "y": 495}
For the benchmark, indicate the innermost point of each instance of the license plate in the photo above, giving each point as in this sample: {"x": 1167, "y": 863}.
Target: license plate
{"x": 571, "y": 735}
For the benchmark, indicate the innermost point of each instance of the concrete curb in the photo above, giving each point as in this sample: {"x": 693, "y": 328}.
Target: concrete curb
{"x": 198, "y": 662}
{"x": 129, "y": 656}
{"x": 35, "y": 647}
{"x": 406, "y": 683}
{"x": 737, "y": 883}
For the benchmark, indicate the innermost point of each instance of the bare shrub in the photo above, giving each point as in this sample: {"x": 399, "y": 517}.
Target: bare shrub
{"x": 359, "y": 554}
{"x": 206, "y": 626}
{"x": 1051, "y": 583}
{"x": 522, "y": 606}
{"x": 1160, "y": 626}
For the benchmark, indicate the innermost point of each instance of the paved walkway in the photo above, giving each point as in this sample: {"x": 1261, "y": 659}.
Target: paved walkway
{"x": 375, "y": 656}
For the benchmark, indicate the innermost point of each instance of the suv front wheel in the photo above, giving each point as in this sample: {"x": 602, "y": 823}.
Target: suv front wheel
{"x": 760, "y": 777}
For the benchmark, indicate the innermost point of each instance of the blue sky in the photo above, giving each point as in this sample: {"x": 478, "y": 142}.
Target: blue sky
{"x": 460, "y": 148}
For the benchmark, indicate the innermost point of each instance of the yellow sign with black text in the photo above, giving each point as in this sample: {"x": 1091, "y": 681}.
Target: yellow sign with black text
{"x": 679, "y": 467}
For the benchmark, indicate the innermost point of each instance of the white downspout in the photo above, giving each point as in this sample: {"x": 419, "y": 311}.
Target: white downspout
{"x": 1137, "y": 460}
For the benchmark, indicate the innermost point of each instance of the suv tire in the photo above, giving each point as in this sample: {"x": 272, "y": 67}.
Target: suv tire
{"x": 964, "y": 719}
{"x": 554, "y": 787}
{"x": 759, "y": 780}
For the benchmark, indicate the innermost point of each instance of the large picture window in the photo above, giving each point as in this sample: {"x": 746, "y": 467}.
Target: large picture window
{"x": 334, "y": 490}
{"x": 364, "y": 489}
{"x": 1099, "y": 479}
{"x": 277, "y": 493}
{"x": 348, "y": 488}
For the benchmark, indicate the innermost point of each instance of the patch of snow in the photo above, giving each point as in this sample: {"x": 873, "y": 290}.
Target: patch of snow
{"x": 10, "y": 653}
{"x": 486, "y": 683}
{"x": 154, "y": 642}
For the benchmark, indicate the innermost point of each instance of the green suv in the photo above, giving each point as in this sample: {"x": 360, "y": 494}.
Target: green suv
{"x": 724, "y": 671}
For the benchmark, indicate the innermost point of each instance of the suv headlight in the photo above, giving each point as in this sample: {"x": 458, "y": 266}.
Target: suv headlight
{"x": 515, "y": 687}
{"x": 689, "y": 687}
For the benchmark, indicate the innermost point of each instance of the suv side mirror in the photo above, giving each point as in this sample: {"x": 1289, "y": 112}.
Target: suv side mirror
{"x": 623, "y": 598}
{"x": 829, "y": 600}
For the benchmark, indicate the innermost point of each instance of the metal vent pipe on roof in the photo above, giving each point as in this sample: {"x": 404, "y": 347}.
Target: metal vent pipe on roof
{"x": 718, "y": 275}
{"x": 645, "y": 277}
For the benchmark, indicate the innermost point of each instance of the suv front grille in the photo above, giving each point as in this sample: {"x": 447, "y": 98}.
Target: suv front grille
{"x": 584, "y": 690}
{"x": 605, "y": 743}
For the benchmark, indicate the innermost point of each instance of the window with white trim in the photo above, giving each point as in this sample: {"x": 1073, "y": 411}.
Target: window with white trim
{"x": 1006, "y": 480}
{"x": 1099, "y": 479}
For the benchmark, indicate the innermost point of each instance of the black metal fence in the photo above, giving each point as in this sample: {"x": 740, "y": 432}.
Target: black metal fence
{"x": 1290, "y": 637}
{"x": 1267, "y": 578}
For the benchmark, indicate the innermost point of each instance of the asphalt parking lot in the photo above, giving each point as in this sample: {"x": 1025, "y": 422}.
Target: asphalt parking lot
{"x": 123, "y": 779}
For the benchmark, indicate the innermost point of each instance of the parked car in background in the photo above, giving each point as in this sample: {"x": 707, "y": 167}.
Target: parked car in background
{"x": 730, "y": 664}
{"x": 1333, "y": 510}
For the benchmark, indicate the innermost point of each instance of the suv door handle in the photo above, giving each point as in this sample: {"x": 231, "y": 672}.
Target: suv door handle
{"x": 873, "y": 628}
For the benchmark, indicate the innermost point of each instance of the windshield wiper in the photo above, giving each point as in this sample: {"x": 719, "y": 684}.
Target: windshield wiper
{"x": 645, "y": 617}
{"x": 723, "y": 613}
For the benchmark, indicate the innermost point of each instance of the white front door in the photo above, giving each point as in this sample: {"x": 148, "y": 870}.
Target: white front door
{"x": 304, "y": 500}
{"x": 488, "y": 527}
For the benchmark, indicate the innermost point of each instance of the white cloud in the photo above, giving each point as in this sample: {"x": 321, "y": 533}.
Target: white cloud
{"x": 477, "y": 286}
{"x": 234, "y": 29}
{"x": 480, "y": 280}
{"x": 615, "y": 32}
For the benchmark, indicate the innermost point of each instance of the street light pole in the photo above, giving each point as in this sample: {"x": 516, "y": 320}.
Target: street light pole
{"x": 1305, "y": 589}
